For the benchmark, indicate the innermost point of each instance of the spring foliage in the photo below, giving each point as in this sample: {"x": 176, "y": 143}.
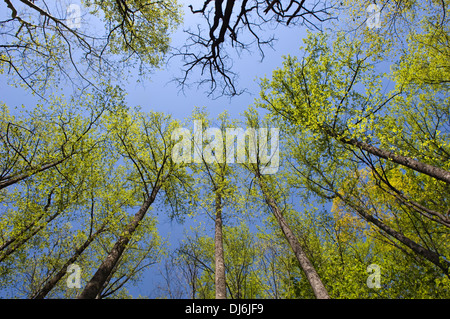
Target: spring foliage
{"x": 364, "y": 122}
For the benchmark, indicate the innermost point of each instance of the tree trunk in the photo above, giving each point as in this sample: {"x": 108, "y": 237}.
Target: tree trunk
{"x": 56, "y": 278}
{"x": 221, "y": 290}
{"x": 308, "y": 268}
{"x": 10, "y": 180}
{"x": 430, "y": 170}
{"x": 415, "y": 247}
{"x": 94, "y": 286}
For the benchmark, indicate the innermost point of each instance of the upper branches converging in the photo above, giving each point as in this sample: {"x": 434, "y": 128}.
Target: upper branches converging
{"x": 45, "y": 42}
{"x": 239, "y": 24}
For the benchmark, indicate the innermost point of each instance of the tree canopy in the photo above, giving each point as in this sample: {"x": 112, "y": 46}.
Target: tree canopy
{"x": 334, "y": 183}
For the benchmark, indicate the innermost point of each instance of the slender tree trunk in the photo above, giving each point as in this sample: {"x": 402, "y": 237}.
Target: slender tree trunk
{"x": 16, "y": 242}
{"x": 308, "y": 268}
{"x": 10, "y": 180}
{"x": 94, "y": 286}
{"x": 56, "y": 278}
{"x": 220, "y": 284}
{"x": 430, "y": 170}
{"x": 415, "y": 247}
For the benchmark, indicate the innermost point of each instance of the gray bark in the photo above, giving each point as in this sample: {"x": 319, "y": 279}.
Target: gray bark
{"x": 430, "y": 170}
{"x": 94, "y": 286}
{"x": 308, "y": 268}
{"x": 220, "y": 283}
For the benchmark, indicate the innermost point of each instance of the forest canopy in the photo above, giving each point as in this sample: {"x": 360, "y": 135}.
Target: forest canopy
{"x": 334, "y": 183}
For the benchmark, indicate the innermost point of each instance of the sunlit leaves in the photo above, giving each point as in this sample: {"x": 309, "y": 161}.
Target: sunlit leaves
{"x": 42, "y": 49}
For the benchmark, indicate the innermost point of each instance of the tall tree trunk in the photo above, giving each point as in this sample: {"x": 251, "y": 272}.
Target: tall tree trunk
{"x": 17, "y": 242}
{"x": 94, "y": 286}
{"x": 10, "y": 180}
{"x": 415, "y": 247}
{"x": 430, "y": 170}
{"x": 308, "y": 268}
{"x": 221, "y": 289}
{"x": 57, "y": 277}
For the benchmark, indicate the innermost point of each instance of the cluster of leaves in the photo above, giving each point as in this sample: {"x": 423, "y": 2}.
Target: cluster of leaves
{"x": 44, "y": 51}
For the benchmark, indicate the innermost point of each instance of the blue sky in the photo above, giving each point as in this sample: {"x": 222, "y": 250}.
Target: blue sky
{"x": 160, "y": 95}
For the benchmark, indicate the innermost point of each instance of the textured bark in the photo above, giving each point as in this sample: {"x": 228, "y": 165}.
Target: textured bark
{"x": 308, "y": 268}
{"x": 220, "y": 284}
{"x": 94, "y": 286}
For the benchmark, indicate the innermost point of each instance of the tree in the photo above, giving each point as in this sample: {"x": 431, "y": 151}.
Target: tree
{"x": 239, "y": 25}
{"x": 240, "y": 260}
{"x": 217, "y": 179}
{"x": 337, "y": 128}
{"x": 196, "y": 259}
{"x": 267, "y": 187}
{"x": 42, "y": 149}
{"x": 143, "y": 141}
{"x": 49, "y": 135}
{"x": 58, "y": 216}
{"x": 396, "y": 214}
{"x": 42, "y": 46}
{"x": 51, "y": 283}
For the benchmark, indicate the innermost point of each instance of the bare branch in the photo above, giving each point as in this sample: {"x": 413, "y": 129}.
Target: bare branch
{"x": 228, "y": 25}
